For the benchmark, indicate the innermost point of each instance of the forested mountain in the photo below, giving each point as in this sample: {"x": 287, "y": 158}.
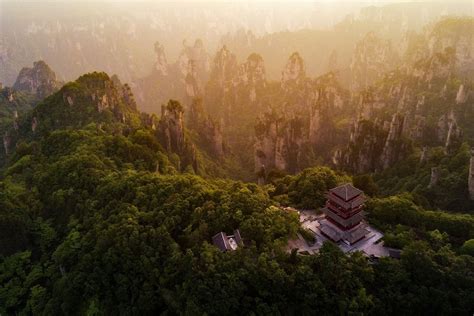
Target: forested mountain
{"x": 105, "y": 209}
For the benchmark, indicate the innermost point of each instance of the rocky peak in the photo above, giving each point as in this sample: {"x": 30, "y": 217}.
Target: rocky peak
{"x": 329, "y": 98}
{"x": 252, "y": 72}
{"x": 372, "y": 58}
{"x": 192, "y": 82}
{"x": 294, "y": 71}
{"x": 471, "y": 176}
{"x": 251, "y": 76}
{"x": 125, "y": 92}
{"x": 278, "y": 142}
{"x": 172, "y": 126}
{"x": 209, "y": 130}
{"x": 171, "y": 133}
{"x": 454, "y": 136}
{"x": 93, "y": 97}
{"x": 455, "y": 33}
{"x": 213, "y": 132}
{"x": 196, "y": 113}
{"x": 198, "y": 54}
{"x": 39, "y": 80}
{"x": 224, "y": 66}
{"x": 392, "y": 149}
{"x": 161, "y": 64}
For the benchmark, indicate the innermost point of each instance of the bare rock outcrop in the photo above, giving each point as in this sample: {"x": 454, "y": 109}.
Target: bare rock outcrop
{"x": 365, "y": 146}
{"x": 278, "y": 143}
{"x": 6, "y": 143}
{"x": 373, "y": 145}
{"x": 453, "y": 135}
{"x": 39, "y": 80}
{"x": 461, "y": 96}
{"x": 209, "y": 130}
{"x": 171, "y": 126}
{"x": 371, "y": 59}
{"x": 294, "y": 72}
{"x": 391, "y": 150}
{"x": 251, "y": 76}
{"x": 435, "y": 176}
{"x": 161, "y": 64}
{"x": 471, "y": 176}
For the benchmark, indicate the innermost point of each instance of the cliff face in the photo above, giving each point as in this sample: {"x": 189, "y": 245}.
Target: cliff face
{"x": 171, "y": 126}
{"x": 294, "y": 72}
{"x": 13, "y": 106}
{"x": 194, "y": 65}
{"x": 171, "y": 133}
{"x": 220, "y": 91}
{"x": 367, "y": 142}
{"x": 209, "y": 130}
{"x": 456, "y": 35}
{"x": 394, "y": 146}
{"x": 454, "y": 135}
{"x": 437, "y": 67}
{"x": 6, "y": 143}
{"x": 471, "y": 176}
{"x": 161, "y": 64}
{"x": 462, "y": 95}
{"x": 40, "y": 80}
{"x": 251, "y": 77}
{"x": 224, "y": 68}
{"x": 278, "y": 143}
{"x": 328, "y": 100}
{"x": 372, "y": 58}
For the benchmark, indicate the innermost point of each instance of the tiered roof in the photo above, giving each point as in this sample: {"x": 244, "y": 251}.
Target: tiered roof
{"x": 344, "y": 215}
{"x": 346, "y": 192}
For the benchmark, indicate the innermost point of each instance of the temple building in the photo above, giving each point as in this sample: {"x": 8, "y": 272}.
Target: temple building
{"x": 227, "y": 242}
{"x": 344, "y": 215}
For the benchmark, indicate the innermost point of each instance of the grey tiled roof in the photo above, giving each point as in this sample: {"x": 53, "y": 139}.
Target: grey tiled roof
{"x": 346, "y": 191}
{"x": 337, "y": 234}
{"x": 220, "y": 241}
{"x": 227, "y": 242}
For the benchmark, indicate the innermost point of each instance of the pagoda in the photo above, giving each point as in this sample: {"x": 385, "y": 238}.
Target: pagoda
{"x": 344, "y": 215}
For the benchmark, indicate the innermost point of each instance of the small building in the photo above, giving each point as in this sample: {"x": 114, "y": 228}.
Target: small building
{"x": 344, "y": 215}
{"x": 395, "y": 253}
{"x": 227, "y": 242}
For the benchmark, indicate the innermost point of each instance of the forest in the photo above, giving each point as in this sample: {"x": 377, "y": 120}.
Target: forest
{"x": 111, "y": 192}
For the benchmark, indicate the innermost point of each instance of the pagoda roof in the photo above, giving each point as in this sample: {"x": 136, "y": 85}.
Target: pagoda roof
{"x": 359, "y": 200}
{"x": 346, "y": 192}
